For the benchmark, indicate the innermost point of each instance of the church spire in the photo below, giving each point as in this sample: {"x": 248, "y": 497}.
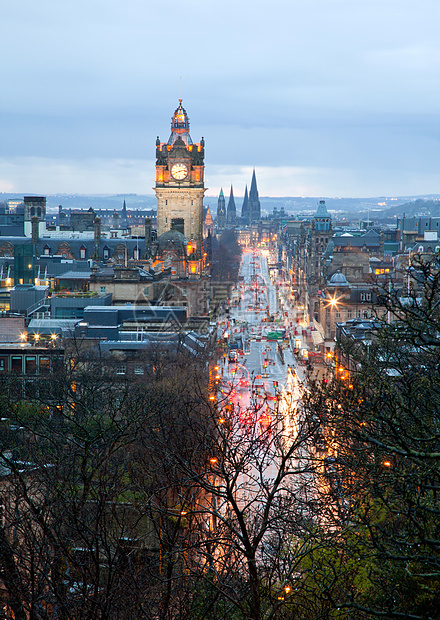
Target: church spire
{"x": 245, "y": 205}
{"x": 231, "y": 216}
{"x": 221, "y": 211}
{"x": 254, "y": 201}
{"x": 124, "y": 215}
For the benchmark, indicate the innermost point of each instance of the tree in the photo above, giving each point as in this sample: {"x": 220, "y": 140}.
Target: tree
{"x": 253, "y": 520}
{"x": 82, "y": 533}
{"x": 381, "y": 420}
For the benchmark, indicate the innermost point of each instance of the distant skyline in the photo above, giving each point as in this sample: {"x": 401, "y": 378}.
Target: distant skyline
{"x": 323, "y": 98}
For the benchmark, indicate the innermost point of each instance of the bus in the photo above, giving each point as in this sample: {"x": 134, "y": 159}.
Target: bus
{"x": 278, "y": 334}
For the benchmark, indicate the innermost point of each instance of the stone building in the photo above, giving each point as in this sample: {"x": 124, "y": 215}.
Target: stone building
{"x": 180, "y": 180}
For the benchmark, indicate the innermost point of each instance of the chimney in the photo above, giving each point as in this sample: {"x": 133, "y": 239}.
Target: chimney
{"x": 148, "y": 228}
{"x": 97, "y": 237}
{"x": 35, "y": 230}
{"x": 97, "y": 231}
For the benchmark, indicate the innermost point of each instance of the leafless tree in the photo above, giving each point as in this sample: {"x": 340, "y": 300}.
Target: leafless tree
{"x": 381, "y": 421}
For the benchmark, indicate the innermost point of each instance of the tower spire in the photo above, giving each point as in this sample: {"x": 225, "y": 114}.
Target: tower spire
{"x": 221, "y": 211}
{"x": 254, "y": 208}
{"x": 245, "y": 205}
{"x": 231, "y": 216}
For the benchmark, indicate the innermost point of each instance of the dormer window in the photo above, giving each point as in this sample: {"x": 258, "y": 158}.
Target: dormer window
{"x": 46, "y": 250}
{"x": 82, "y": 252}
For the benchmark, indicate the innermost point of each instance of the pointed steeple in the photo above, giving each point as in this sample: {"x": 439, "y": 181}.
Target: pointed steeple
{"x": 221, "y": 211}
{"x": 231, "y": 216}
{"x": 245, "y": 205}
{"x": 208, "y": 217}
{"x": 254, "y": 191}
{"x": 254, "y": 208}
{"x": 124, "y": 215}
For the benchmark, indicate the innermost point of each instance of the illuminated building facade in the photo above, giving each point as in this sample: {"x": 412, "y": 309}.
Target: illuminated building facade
{"x": 180, "y": 181}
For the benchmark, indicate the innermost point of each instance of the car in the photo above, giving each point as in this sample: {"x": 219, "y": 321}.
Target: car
{"x": 232, "y": 356}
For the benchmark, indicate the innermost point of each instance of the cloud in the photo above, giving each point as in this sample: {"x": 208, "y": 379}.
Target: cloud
{"x": 39, "y": 175}
{"x": 343, "y": 89}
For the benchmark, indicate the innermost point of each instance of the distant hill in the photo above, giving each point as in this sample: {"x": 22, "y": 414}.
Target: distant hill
{"x": 79, "y": 201}
{"x": 380, "y": 208}
{"x": 416, "y": 207}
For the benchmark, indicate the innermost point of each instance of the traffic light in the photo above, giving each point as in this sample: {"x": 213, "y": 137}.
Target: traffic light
{"x": 275, "y": 384}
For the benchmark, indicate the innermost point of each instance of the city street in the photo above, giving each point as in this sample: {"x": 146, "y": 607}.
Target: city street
{"x": 261, "y": 380}
{"x": 263, "y": 375}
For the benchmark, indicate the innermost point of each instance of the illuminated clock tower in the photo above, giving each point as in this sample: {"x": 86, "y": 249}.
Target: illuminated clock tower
{"x": 180, "y": 181}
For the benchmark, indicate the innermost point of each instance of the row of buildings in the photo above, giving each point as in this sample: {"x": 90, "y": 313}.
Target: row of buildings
{"x": 337, "y": 271}
{"x": 59, "y": 264}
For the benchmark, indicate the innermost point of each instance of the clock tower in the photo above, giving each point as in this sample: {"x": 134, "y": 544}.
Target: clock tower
{"x": 180, "y": 181}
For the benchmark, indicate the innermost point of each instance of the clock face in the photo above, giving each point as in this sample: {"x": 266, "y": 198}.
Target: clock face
{"x": 179, "y": 171}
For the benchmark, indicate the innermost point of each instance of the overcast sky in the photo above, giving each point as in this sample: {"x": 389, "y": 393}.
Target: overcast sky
{"x": 322, "y": 97}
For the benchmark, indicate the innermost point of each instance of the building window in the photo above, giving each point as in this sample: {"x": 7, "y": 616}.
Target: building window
{"x": 82, "y": 252}
{"x": 3, "y": 364}
{"x": 102, "y": 289}
{"x": 365, "y": 314}
{"x": 31, "y": 364}
{"x": 365, "y": 296}
{"x": 138, "y": 370}
{"x": 44, "y": 365}
{"x": 121, "y": 370}
{"x": 17, "y": 363}
{"x": 349, "y": 313}
{"x": 106, "y": 253}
